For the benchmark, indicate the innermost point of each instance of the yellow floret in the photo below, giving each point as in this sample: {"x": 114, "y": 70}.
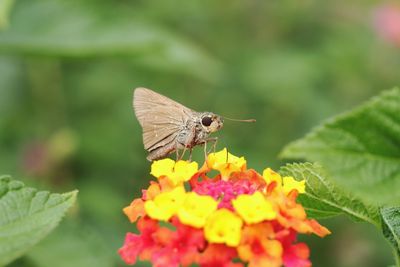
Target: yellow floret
{"x": 196, "y": 209}
{"x": 223, "y": 226}
{"x": 289, "y": 184}
{"x": 166, "y": 204}
{"x": 254, "y": 208}
{"x": 177, "y": 172}
{"x": 225, "y": 162}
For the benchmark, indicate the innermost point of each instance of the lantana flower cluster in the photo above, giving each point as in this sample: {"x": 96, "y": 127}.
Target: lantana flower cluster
{"x": 237, "y": 218}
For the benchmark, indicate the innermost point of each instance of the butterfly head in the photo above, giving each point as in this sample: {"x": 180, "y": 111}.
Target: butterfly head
{"x": 211, "y": 122}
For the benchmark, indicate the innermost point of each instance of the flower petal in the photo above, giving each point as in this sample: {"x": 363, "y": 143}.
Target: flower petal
{"x": 163, "y": 167}
{"x": 289, "y": 184}
{"x": 196, "y": 209}
{"x": 166, "y": 204}
{"x": 271, "y": 176}
{"x": 177, "y": 172}
{"x": 225, "y": 163}
{"x": 223, "y": 226}
{"x": 254, "y": 208}
{"x": 135, "y": 210}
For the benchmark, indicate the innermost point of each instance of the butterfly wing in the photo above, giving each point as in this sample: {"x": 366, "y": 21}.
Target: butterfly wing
{"x": 161, "y": 118}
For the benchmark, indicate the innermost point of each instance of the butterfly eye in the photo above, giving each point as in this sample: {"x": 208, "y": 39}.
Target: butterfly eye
{"x": 206, "y": 121}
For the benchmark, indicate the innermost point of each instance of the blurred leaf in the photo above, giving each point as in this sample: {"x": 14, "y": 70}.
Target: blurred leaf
{"x": 292, "y": 71}
{"x": 391, "y": 228}
{"x": 71, "y": 30}
{"x": 5, "y": 8}
{"x": 108, "y": 212}
{"x": 27, "y": 216}
{"x": 324, "y": 199}
{"x": 360, "y": 149}
{"x": 10, "y": 80}
{"x": 72, "y": 245}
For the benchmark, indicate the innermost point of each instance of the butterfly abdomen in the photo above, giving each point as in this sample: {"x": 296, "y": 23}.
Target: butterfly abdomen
{"x": 161, "y": 152}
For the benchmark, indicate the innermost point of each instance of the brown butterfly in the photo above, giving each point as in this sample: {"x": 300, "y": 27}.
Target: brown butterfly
{"x": 169, "y": 126}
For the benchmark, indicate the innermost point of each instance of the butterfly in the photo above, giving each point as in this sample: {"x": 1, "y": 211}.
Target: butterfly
{"x": 169, "y": 126}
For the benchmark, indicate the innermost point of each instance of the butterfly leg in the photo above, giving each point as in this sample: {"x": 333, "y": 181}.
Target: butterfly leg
{"x": 185, "y": 141}
{"x": 214, "y": 140}
{"x": 205, "y": 150}
{"x": 214, "y": 146}
{"x": 183, "y": 153}
{"x": 190, "y": 154}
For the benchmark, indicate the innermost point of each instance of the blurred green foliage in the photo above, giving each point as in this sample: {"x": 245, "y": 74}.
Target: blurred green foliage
{"x": 67, "y": 70}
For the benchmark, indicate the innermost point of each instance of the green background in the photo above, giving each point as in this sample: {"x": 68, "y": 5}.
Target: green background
{"x": 67, "y": 73}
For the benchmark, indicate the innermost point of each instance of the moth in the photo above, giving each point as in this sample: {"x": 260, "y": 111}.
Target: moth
{"x": 169, "y": 126}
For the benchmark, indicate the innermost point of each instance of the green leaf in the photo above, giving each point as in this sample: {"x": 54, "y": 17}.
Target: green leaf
{"x": 324, "y": 199}
{"x": 5, "y": 8}
{"x": 360, "y": 149}
{"x": 70, "y": 30}
{"x": 391, "y": 228}
{"x": 27, "y": 216}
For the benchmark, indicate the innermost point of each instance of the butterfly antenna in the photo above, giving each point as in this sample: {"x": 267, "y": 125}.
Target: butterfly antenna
{"x": 229, "y": 119}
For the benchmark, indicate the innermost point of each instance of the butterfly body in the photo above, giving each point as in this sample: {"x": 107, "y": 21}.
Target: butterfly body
{"x": 169, "y": 126}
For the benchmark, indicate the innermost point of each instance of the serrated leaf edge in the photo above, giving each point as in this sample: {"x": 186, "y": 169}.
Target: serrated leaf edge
{"x": 326, "y": 201}
{"x": 69, "y": 201}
